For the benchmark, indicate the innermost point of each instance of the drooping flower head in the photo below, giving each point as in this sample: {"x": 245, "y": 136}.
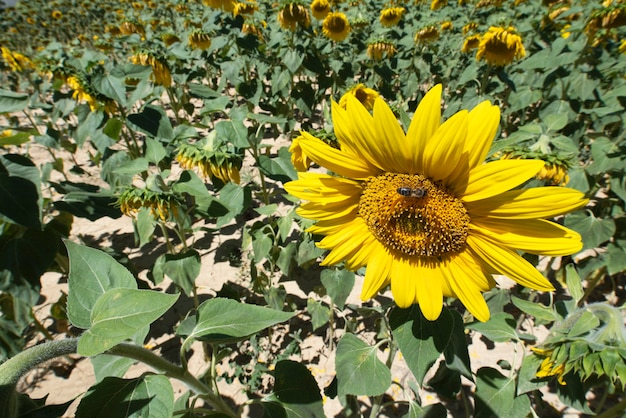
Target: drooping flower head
{"x": 211, "y": 159}
{"x": 320, "y": 8}
{"x": 245, "y": 8}
{"x": 426, "y": 35}
{"x": 500, "y": 46}
{"x": 199, "y": 39}
{"x": 161, "y": 74}
{"x": 438, "y": 4}
{"x": 391, "y": 16}
{"x": 380, "y": 48}
{"x": 422, "y": 211}
{"x": 363, "y": 94}
{"x": 293, "y": 15}
{"x": 470, "y": 43}
{"x": 336, "y": 26}
{"x": 225, "y": 5}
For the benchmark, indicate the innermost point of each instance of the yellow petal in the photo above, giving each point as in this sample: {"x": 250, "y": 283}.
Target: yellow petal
{"x": 443, "y": 153}
{"x": 462, "y": 278}
{"x": 328, "y": 211}
{"x": 403, "y": 284}
{"x": 496, "y": 177}
{"x": 425, "y": 122}
{"x": 538, "y": 202}
{"x": 428, "y": 289}
{"x": 323, "y": 188}
{"x": 535, "y": 236}
{"x": 507, "y": 262}
{"x": 345, "y": 242}
{"x": 390, "y": 139}
{"x": 377, "y": 273}
{"x": 484, "y": 120}
{"x": 333, "y": 159}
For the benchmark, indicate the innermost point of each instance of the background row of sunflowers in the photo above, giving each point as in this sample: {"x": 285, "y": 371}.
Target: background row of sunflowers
{"x": 146, "y": 88}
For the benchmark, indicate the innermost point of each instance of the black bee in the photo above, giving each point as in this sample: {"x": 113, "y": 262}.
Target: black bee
{"x": 409, "y": 192}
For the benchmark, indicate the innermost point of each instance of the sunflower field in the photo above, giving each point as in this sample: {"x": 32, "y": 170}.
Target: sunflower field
{"x": 313, "y": 208}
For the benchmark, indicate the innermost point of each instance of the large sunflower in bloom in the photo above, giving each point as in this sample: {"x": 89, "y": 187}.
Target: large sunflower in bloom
{"x": 423, "y": 212}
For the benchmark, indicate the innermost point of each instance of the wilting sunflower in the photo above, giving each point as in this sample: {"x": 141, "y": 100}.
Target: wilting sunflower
{"x": 377, "y": 49}
{"x": 427, "y": 35}
{"x": 336, "y": 26}
{"x": 226, "y": 5}
{"x": 320, "y": 8}
{"x": 128, "y": 28}
{"x": 469, "y": 27}
{"x": 470, "y": 43}
{"x": 199, "y": 39}
{"x": 293, "y": 15}
{"x": 163, "y": 205}
{"x": 245, "y": 8}
{"x": 16, "y": 61}
{"x": 554, "y": 170}
{"x": 161, "y": 74}
{"x": 422, "y": 211}
{"x": 447, "y": 25}
{"x": 170, "y": 38}
{"x": 363, "y": 94}
{"x": 438, "y": 4}
{"x": 500, "y": 46}
{"x": 549, "y": 368}
{"x": 211, "y": 161}
{"x": 390, "y": 16}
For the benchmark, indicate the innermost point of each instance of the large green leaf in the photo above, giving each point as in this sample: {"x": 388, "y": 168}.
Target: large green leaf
{"x": 12, "y": 102}
{"x": 495, "y": 396}
{"x": 92, "y": 273}
{"x": 19, "y": 201}
{"x": 420, "y": 341}
{"x": 296, "y": 394}
{"x": 221, "y": 320}
{"x": 146, "y": 396}
{"x": 183, "y": 269}
{"x": 359, "y": 371}
{"x": 119, "y": 314}
{"x": 594, "y": 231}
{"x": 152, "y": 121}
{"x": 338, "y": 284}
{"x": 499, "y": 328}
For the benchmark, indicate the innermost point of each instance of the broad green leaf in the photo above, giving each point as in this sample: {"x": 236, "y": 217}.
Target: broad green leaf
{"x": 112, "y": 87}
{"x": 421, "y": 341}
{"x": 18, "y": 138}
{"x": 495, "y": 396}
{"x": 535, "y": 309}
{"x": 262, "y": 243}
{"x": 19, "y": 201}
{"x": 320, "y": 314}
{"x": 225, "y": 319}
{"x": 233, "y": 132}
{"x": 152, "y": 121}
{"x": 359, "y": 371}
{"x": 286, "y": 258}
{"x": 12, "y": 102}
{"x": 25, "y": 257}
{"x": 500, "y": 328}
{"x": 92, "y": 273}
{"x": 338, "y": 284}
{"x": 108, "y": 365}
{"x": 295, "y": 395}
{"x": 183, "y": 269}
{"x": 279, "y": 167}
{"x": 616, "y": 257}
{"x": 132, "y": 167}
{"x": 119, "y": 314}
{"x": 456, "y": 352}
{"x": 144, "y": 226}
{"x": 155, "y": 151}
{"x": 594, "y": 231}
{"x": 574, "y": 283}
{"x": 146, "y": 396}
{"x": 555, "y": 122}
{"x": 235, "y": 198}
{"x": 527, "y": 377}
{"x": 190, "y": 183}
{"x": 430, "y": 411}
{"x": 586, "y": 322}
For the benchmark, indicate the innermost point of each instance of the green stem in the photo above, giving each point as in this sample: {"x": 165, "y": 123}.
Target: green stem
{"x": 379, "y": 399}
{"x": 147, "y": 357}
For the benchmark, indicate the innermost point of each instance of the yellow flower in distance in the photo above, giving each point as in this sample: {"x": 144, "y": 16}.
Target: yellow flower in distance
{"x": 423, "y": 212}
{"x": 500, "y": 46}
{"x": 426, "y": 35}
{"x": 16, "y": 61}
{"x": 161, "y": 74}
{"x": 363, "y": 94}
{"x": 376, "y": 50}
{"x": 320, "y": 8}
{"x": 336, "y": 26}
{"x": 245, "y": 8}
{"x": 293, "y": 15}
{"x": 471, "y": 42}
{"x": 438, "y": 4}
{"x": 391, "y": 16}
{"x": 56, "y": 14}
{"x": 198, "y": 39}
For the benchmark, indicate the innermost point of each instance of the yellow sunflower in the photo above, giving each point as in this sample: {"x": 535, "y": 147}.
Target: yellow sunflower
{"x": 245, "y": 8}
{"x": 500, "y": 46}
{"x": 320, "y": 8}
{"x": 422, "y": 211}
{"x": 438, "y": 4}
{"x": 377, "y": 49}
{"x": 426, "y": 35}
{"x": 336, "y": 26}
{"x": 391, "y": 15}
{"x": 293, "y": 15}
{"x": 198, "y": 39}
{"x": 56, "y": 14}
{"x": 365, "y": 95}
{"x": 471, "y": 42}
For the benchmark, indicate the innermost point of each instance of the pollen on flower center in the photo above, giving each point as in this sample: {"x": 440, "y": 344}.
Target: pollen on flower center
{"x": 414, "y": 215}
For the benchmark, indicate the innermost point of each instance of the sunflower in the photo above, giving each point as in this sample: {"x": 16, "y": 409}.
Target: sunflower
{"x": 427, "y": 35}
{"x": 390, "y": 16}
{"x": 81, "y": 91}
{"x": 549, "y": 367}
{"x": 471, "y": 42}
{"x": 336, "y": 26}
{"x": 161, "y": 74}
{"x": 469, "y": 27}
{"x": 438, "y": 4}
{"x": 245, "y": 9}
{"x": 376, "y": 50}
{"x": 422, "y": 212}
{"x": 225, "y": 5}
{"x": 16, "y": 61}
{"x": 363, "y": 94}
{"x": 128, "y": 28}
{"x": 447, "y": 25}
{"x": 56, "y": 14}
{"x": 163, "y": 206}
{"x": 320, "y": 8}
{"x": 211, "y": 163}
{"x": 198, "y": 39}
{"x": 500, "y": 46}
{"x": 293, "y": 15}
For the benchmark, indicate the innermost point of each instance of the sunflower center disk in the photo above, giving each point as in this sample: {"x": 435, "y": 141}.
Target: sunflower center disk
{"x": 414, "y": 215}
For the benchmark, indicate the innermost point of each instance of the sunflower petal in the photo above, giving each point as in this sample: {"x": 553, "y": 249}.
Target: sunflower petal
{"x": 377, "y": 273}
{"x": 457, "y": 273}
{"x": 444, "y": 151}
{"x": 333, "y": 159}
{"x": 403, "y": 283}
{"x": 328, "y": 211}
{"x": 483, "y": 125}
{"x": 496, "y": 177}
{"x": 535, "y": 236}
{"x": 507, "y": 262}
{"x": 428, "y": 289}
{"x": 539, "y": 202}
{"x": 424, "y": 124}
{"x": 322, "y": 188}
{"x": 390, "y": 139}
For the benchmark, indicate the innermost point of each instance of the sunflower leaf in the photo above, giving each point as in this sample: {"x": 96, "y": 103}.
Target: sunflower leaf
{"x": 359, "y": 371}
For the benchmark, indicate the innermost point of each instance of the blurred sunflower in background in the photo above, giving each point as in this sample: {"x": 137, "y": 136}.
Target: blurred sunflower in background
{"x": 225, "y": 5}
{"x": 500, "y": 46}
{"x": 390, "y": 16}
{"x": 422, "y": 211}
{"x": 363, "y": 94}
{"x": 199, "y": 39}
{"x": 426, "y": 35}
{"x": 245, "y": 8}
{"x": 379, "y": 48}
{"x": 16, "y": 61}
{"x": 129, "y": 28}
{"x": 292, "y": 15}
{"x": 320, "y": 8}
{"x": 161, "y": 74}
{"x": 336, "y": 26}
{"x": 212, "y": 159}
{"x": 470, "y": 43}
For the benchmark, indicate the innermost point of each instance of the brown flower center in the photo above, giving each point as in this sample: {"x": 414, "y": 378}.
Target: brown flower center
{"x": 414, "y": 215}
